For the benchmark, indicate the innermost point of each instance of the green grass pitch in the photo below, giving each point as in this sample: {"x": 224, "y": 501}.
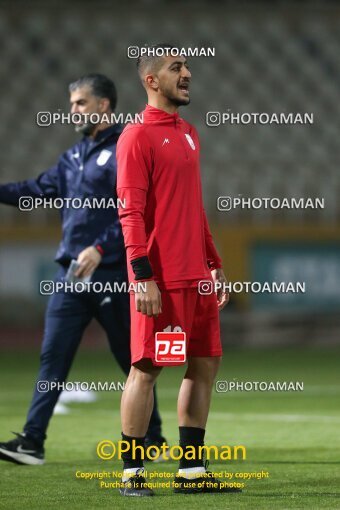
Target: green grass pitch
{"x": 294, "y": 436}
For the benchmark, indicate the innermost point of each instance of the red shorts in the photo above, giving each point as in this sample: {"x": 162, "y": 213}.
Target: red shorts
{"x": 195, "y": 314}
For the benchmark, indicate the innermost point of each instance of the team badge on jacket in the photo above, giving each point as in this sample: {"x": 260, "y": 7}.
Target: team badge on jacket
{"x": 191, "y": 142}
{"x": 103, "y": 157}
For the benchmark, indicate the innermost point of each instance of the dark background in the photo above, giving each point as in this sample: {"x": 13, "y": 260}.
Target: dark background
{"x": 270, "y": 57}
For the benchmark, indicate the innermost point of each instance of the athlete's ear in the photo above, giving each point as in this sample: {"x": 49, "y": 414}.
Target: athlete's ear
{"x": 151, "y": 81}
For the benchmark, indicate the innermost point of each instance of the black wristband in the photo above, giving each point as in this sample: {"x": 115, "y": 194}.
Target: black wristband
{"x": 142, "y": 269}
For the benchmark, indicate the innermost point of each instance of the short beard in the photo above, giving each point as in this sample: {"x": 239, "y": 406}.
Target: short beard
{"x": 86, "y": 129}
{"x": 179, "y": 102}
{"x": 175, "y": 100}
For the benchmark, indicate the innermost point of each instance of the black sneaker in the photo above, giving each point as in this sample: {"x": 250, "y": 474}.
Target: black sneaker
{"x": 204, "y": 483}
{"x": 155, "y": 455}
{"x": 22, "y": 450}
{"x": 136, "y": 486}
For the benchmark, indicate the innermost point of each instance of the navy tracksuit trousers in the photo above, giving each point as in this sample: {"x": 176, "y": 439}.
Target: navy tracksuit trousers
{"x": 67, "y": 316}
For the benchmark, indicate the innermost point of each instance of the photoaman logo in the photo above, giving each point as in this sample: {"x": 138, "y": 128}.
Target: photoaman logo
{"x": 107, "y": 450}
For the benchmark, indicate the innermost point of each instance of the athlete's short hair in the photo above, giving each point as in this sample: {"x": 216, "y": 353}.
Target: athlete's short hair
{"x": 151, "y": 62}
{"x": 100, "y": 84}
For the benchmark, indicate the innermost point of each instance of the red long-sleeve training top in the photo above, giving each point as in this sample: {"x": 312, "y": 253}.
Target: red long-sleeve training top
{"x": 158, "y": 176}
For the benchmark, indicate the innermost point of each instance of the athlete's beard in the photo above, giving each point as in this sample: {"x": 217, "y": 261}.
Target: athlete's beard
{"x": 176, "y": 101}
{"x": 86, "y": 129}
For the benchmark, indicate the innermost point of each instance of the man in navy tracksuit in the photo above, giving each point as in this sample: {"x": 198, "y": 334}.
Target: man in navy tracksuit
{"x": 94, "y": 238}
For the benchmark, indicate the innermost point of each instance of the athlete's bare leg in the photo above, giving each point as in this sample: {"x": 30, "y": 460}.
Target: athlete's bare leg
{"x": 137, "y": 398}
{"x": 195, "y": 392}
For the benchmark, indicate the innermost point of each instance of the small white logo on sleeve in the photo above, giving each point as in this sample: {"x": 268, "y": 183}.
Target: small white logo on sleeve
{"x": 103, "y": 157}
{"x": 190, "y": 141}
{"x": 166, "y": 140}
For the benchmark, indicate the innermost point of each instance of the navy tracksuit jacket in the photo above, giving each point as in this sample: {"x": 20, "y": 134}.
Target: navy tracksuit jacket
{"x": 86, "y": 170}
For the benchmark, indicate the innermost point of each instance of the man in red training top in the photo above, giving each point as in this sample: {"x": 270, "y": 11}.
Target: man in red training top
{"x": 169, "y": 248}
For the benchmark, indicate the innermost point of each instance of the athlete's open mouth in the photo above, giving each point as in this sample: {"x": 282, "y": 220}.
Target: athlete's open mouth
{"x": 183, "y": 86}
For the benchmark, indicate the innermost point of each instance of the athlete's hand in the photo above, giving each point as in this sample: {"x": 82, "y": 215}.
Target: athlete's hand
{"x": 222, "y": 296}
{"x": 89, "y": 259}
{"x": 150, "y": 302}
